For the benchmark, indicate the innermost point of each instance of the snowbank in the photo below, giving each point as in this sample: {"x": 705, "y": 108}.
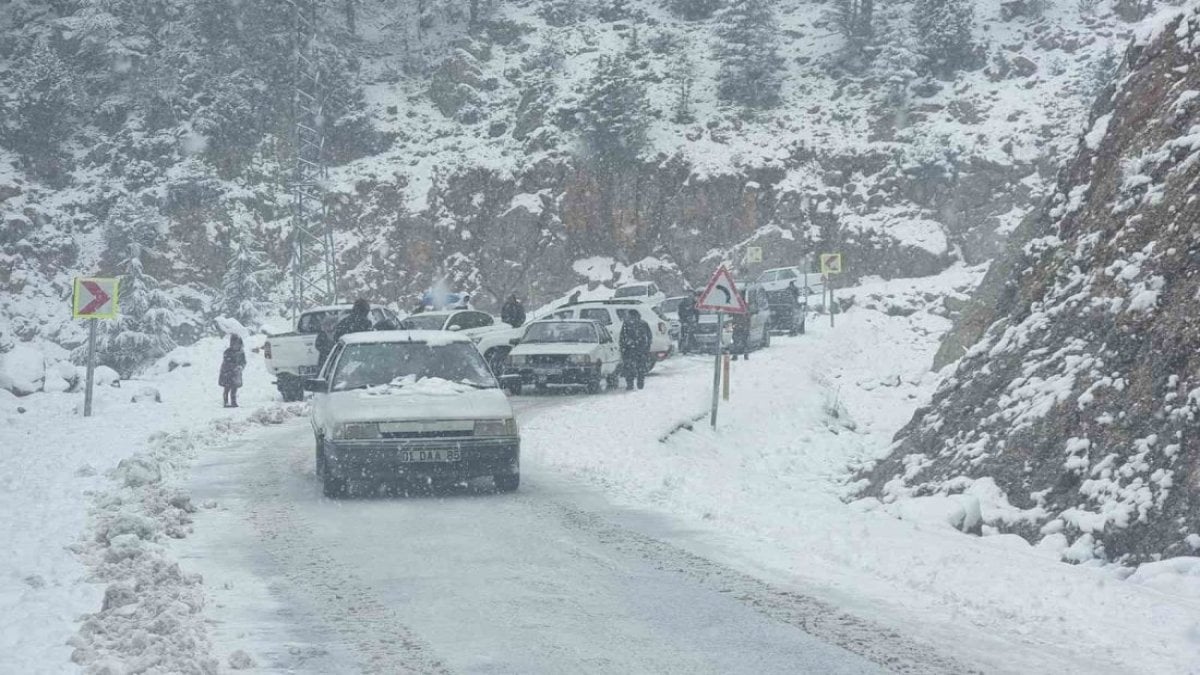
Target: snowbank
{"x": 52, "y": 460}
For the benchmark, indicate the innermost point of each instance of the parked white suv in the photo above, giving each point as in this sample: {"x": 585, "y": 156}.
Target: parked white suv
{"x": 612, "y": 313}
{"x": 647, "y": 292}
{"x": 292, "y": 357}
{"x": 808, "y": 283}
{"x": 400, "y": 405}
{"x": 581, "y": 353}
{"x": 490, "y": 335}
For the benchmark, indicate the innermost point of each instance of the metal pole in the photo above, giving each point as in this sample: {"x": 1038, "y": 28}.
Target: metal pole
{"x": 716, "y": 401}
{"x": 725, "y": 375}
{"x": 832, "y": 303}
{"x": 91, "y": 368}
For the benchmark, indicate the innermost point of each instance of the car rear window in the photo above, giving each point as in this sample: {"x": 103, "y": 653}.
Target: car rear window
{"x": 419, "y": 322}
{"x": 311, "y": 322}
{"x": 632, "y": 292}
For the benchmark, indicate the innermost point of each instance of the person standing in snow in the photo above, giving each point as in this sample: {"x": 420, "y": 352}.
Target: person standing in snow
{"x": 574, "y": 299}
{"x": 513, "y": 312}
{"x": 324, "y": 343}
{"x": 689, "y": 317}
{"x": 635, "y": 350}
{"x": 741, "y": 335}
{"x": 232, "y": 364}
{"x": 357, "y": 321}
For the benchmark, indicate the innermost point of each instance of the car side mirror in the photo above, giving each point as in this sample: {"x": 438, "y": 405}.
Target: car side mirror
{"x": 316, "y": 385}
{"x": 515, "y": 341}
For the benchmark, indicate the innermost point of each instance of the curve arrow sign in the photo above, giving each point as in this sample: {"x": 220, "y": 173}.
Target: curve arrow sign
{"x": 721, "y": 294}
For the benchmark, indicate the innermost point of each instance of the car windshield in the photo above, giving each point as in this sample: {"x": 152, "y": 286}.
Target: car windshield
{"x": 384, "y": 363}
{"x": 423, "y": 322}
{"x": 311, "y": 322}
{"x": 632, "y": 292}
{"x": 670, "y": 305}
{"x": 540, "y": 333}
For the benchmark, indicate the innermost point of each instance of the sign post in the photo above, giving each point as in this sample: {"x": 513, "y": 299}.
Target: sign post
{"x": 720, "y": 296}
{"x": 93, "y": 299}
{"x": 831, "y": 264}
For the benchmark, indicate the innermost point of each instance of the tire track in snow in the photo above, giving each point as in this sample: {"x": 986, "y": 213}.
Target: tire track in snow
{"x": 819, "y": 619}
{"x": 383, "y": 643}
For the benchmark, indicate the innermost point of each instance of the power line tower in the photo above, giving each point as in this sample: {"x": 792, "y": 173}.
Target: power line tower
{"x": 314, "y": 273}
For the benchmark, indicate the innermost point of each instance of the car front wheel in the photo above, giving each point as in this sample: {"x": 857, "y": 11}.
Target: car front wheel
{"x": 507, "y": 482}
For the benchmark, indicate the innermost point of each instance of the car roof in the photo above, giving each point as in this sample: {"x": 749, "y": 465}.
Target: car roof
{"x": 424, "y": 336}
{"x": 337, "y": 308}
{"x": 584, "y": 321}
{"x": 780, "y": 269}
{"x": 622, "y": 302}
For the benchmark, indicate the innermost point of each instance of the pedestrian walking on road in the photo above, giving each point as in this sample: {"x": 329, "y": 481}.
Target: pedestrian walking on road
{"x": 232, "y": 364}
{"x": 689, "y": 318}
{"x": 635, "y": 350}
{"x": 357, "y": 321}
{"x": 513, "y": 312}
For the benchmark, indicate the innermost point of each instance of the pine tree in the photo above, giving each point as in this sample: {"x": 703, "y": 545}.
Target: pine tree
{"x": 142, "y": 331}
{"x": 246, "y": 282}
{"x": 751, "y": 71}
{"x": 613, "y": 113}
{"x": 683, "y": 71}
{"x": 44, "y": 102}
{"x": 856, "y": 21}
{"x": 693, "y": 9}
{"x": 944, "y": 28}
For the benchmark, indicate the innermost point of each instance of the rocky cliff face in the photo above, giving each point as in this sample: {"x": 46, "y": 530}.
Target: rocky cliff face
{"x": 1081, "y": 399}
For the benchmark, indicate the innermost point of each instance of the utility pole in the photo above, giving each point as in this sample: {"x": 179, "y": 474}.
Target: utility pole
{"x": 314, "y": 272}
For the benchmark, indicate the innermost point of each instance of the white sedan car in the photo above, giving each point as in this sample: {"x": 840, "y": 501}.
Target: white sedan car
{"x": 581, "y": 353}
{"x": 400, "y": 405}
{"x": 492, "y": 337}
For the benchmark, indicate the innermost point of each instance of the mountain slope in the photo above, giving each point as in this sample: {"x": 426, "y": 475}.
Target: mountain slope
{"x": 1082, "y": 398}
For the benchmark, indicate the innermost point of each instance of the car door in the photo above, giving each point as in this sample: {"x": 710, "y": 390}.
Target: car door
{"x": 610, "y": 355}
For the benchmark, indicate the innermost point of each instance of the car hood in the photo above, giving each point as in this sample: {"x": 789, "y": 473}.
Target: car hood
{"x": 427, "y": 399}
{"x": 555, "y": 348}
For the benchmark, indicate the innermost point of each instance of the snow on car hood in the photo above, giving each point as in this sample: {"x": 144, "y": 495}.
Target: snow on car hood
{"x": 556, "y": 348}
{"x": 428, "y": 398}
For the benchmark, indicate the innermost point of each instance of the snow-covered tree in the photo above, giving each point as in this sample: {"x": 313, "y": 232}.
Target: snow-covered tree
{"x": 693, "y": 9}
{"x": 856, "y": 21}
{"x": 895, "y": 66}
{"x": 751, "y": 70}
{"x": 944, "y": 29}
{"x": 246, "y": 283}
{"x": 683, "y": 71}
{"x": 562, "y": 12}
{"x": 43, "y": 103}
{"x": 142, "y": 331}
{"x": 613, "y": 113}
{"x": 612, "y": 10}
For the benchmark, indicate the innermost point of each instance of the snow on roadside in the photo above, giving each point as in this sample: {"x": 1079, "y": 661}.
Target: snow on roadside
{"x": 55, "y": 466}
{"x": 768, "y": 486}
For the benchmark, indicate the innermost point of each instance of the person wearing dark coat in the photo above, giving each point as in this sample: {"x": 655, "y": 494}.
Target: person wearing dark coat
{"x": 741, "y": 336}
{"x": 232, "y": 364}
{"x": 689, "y": 317}
{"x": 574, "y": 299}
{"x": 324, "y": 344}
{"x": 513, "y": 312}
{"x": 357, "y": 321}
{"x": 635, "y": 350}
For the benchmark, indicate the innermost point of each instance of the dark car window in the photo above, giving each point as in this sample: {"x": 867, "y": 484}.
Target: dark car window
{"x": 312, "y": 322}
{"x": 600, "y": 316}
{"x": 627, "y": 314}
{"x": 556, "y": 331}
{"x": 400, "y": 363}
{"x": 423, "y": 322}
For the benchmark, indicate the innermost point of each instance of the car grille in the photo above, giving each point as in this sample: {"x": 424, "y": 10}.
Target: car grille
{"x": 427, "y": 434}
{"x": 706, "y": 329}
{"x": 548, "y": 360}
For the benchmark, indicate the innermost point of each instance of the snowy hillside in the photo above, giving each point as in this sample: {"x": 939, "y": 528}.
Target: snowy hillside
{"x": 1080, "y": 401}
{"x": 460, "y": 138}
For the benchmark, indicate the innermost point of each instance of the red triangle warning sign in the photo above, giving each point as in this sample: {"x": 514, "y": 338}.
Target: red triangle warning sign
{"x": 722, "y": 295}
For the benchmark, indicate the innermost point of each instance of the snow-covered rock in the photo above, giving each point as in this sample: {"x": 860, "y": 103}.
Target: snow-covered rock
{"x": 22, "y": 370}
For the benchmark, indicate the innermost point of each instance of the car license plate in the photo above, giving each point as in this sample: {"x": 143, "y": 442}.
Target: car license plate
{"x": 308, "y": 370}
{"x": 435, "y": 455}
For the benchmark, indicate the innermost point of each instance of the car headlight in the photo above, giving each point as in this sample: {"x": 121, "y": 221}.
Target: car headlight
{"x": 357, "y": 431}
{"x": 579, "y": 359}
{"x": 501, "y": 427}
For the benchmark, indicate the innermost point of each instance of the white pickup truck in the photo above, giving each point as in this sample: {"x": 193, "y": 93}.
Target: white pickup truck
{"x": 292, "y": 357}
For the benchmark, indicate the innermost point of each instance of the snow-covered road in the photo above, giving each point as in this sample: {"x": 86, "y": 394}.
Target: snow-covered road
{"x": 551, "y": 579}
